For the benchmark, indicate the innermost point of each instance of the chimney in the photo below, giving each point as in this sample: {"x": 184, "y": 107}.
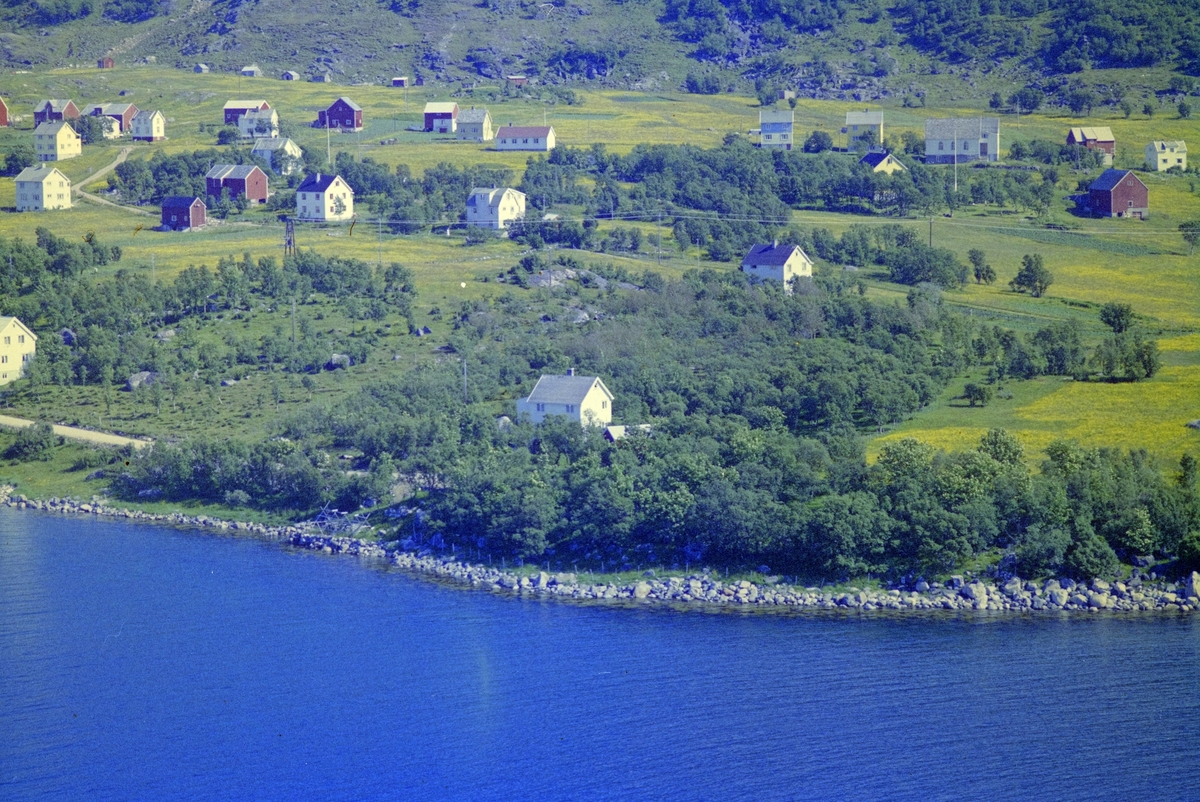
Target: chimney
{"x": 570, "y": 371}
{"x": 775, "y": 243}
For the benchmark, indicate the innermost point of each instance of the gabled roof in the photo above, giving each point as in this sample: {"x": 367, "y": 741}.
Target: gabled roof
{"x": 875, "y": 158}
{"x": 565, "y": 389}
{"x": 1165, "y": 145}
{"x": 55, "y": 105}
{"x": 1099, "y": 134}
{"x": 272, "y": 143}
{"x": 788, "y": 116}
{"x": 441, "y": 108}
{"x": 246, "y": 104}
{"x": 113, "y": 109}
{"x": 145, "y": 114}
{"x": 864, "y": 118}
{"x": 353, "y": 106}
{"x": 1109, "y": 179}
{"x": 473, "y": 115}
{"x": 8, "y": 320}
{"x": 181, "y": 200}
{"x": 771, "y": 255}
{"x": 524, "y": 131}
{"x": 961, "y": 127}
{"x": 53, "y": 127}
{"x": 224, "y": 171}
{"x": 38, "y": 174}
{"x": 295, "y": 76}
{"x": 319, "y": 182}
{"x": 490, "y": 196}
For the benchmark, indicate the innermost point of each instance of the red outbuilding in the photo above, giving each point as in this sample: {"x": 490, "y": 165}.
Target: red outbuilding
{"x": 239, "y": 179}
{"x": 3, "y": 112}
{"x": 105, "y": 63}
{"x": 52, "y": 111}
{"x": 236, "y": 108}
{"x": 343, "y": 114}
{"x": 441, "y": 118}
{"x": 182, "y": 213}
{"x": 1119, "y": 193}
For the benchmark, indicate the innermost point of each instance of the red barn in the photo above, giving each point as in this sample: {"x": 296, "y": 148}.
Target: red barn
{"x": 123, "y": 113}
{"x": 236, "y": 108}
{"x": 3, "y": 112}
{"x": 441, "y": 118}
{"x": 182, "y": 213}
{"x": 105, "y": 63}
{"x": 52, "y": 111}
{"x": 239, "y": 179}
{"x": 1119, "y": 193}
{"x": 1099, "y": 138}
{"x": 343, "y": 113}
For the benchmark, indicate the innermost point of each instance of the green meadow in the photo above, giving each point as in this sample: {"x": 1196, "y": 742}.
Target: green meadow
{"x": 1143, "y": 263}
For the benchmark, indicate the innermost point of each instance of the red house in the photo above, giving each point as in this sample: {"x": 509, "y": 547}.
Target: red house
{"x": 182, "y": 213}
{"x": 239, "y": 179}
{"x": 52, "y": 111}
{"x": 3, "y": 112}
{"x": 105, "y": 63}
{"x": 236, "y": 108}
{"x": 343, "y": 113}
{"x": 441, "y": 118}
{"x": 1119, "y": 193}
{"x": 123, "y": 113}
{"x": 1100, "y": 138}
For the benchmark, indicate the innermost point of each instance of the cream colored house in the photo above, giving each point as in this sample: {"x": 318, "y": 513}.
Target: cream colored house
{"x": 324, "y": 198}
{"x": 962, "y": 139}
{"x": 1163, "y": 155}
{"x": 475, "y": 125}
{"x": 531, "y": 137}
{"x": 880, "y": 161}
{"x": 54, "y": 142}
{"x": 149, "y": 126}
{"x": 775, "y": 262}
{"x": 42, "y": 187}
{"x": 259, "y": 123}
{"x": 495, "y": 208}
{"x": 17, "y": 346}
{"x": 863, "y": 129}
{"x": 284, "y": 155}
{"x": 581, "y": 398}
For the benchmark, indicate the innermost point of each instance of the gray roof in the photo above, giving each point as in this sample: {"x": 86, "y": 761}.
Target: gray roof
{"x": 961, "y": 128}
{"x": 473, "y": 115}
{"x": 223, "y": 171}
{"x": 771, "y": 255}
{"x": 353, "y": 106}
{"x": 864, "y": 118}
{"x": 564, "y": 389}
{"x": 270, "y": 143}
{"x": 38, "y": 173}
{"x": 787, "y": 116}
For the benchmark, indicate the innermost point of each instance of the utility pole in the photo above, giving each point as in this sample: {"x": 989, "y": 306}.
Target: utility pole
{"x": 931, "y": 232}
{"x": 380, "y": 221}
{"x": 293, "y": 323}
{"x": 328, "y": 158}
{"x": 153, "y": 279}
{"x": 465, "y": 401}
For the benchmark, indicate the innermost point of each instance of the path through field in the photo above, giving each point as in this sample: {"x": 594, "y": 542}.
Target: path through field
{"x": 85, "y": 435}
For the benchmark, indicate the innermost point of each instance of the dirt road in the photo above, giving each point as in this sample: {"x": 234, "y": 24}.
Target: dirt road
{"x": 84, "y": 435}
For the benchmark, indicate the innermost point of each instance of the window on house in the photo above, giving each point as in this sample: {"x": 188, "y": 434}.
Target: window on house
{"x": 8, "y": 340}
{"x": 570, "y": 407}
{"x": 541, "y": 407}
{"x": 603, "y": 405}
{"x": 941, "y": 146}
{"x": 4, "y": 360}
{"x": 21, "y": 338}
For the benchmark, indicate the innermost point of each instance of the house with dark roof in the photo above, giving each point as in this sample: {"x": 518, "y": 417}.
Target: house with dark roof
{"x": 50, "y": 111}
{"x": 343, "y": 114}
{"x": 581, "y": 398}
{"x": 530, "y": 137}
{"x": 239, "y": 179}
{"x": 1098, "y": 138}
{"x": 775, "y": 262}
{"x": 1119, "y": 193}
{"x": 962, "y": 139}
{"x": 122, "y": 113}
{"x": 181, "y": 213}
{"x": 475, "y": 125}
{"x": 324, "y": 198}
{"x": 880, "y": 161}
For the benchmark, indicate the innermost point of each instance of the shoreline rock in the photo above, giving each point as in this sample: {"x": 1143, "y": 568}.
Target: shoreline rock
{"x": 1016, "y": 595}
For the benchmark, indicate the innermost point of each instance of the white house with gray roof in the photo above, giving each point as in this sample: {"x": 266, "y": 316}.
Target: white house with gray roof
{"x": 581, "y": 398}
{"x": 475, "y": 125}
{"x": 775, "y": 262}
{"x": 495, "y": 208}
{"x": 284, "y": 155}
{"x": 962, "y": 139}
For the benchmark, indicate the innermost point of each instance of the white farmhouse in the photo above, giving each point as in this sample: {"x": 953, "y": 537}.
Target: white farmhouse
{"x": 1163, "y": 155}
{"x": 42, "y": 187}
{"x": 777, "y": 262}
{"x": 324, "y": 198}
{"x": 284, "y": 155}
{"x": 149, "y": 126}
{"x": 529, "y": 137}
{"x": 581, "y": 398}
{"x": 259, "y": 123}
{"x": 962, "y": 139}
{"x": 495, "y": 208}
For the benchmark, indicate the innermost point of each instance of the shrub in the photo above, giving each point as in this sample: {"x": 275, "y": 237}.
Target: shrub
{"x": 35, "y": 442}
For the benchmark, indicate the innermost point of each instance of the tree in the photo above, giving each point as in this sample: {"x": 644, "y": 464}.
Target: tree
{"x": 1033, "y": 276}
{"x": 1148, "y": 110}
{"x": 1126, "y": 109}
{"x": 1027, "y": 100}
{"x": 984, "y": 274}
{"x": 93, "y": 129}
{"x": 1080, "y": 101}
{"x": 20, "y": 156}
{"x": 818, "y": 142}
{"x": 1185, "y": 109}
{"x": 1191, "y": 234}
{"x": 977, "y": 393}
{"x": 1002, "y": 446}
{"x": 1117, "y": 317}
{"x": 996, "y": 102}
{"x": 229, "y": 136}
{"x": 33, "y": 442}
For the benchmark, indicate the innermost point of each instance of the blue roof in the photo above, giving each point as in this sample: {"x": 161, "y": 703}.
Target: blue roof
{"x": 1109, "y": 179}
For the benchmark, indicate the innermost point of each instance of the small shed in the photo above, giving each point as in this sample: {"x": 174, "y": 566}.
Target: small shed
{"x": 321, "y": 78}
{"x": 181, "y": 213}
{"x": 105, "y": 63}
{"x": 200, "y": 68}
{"x": 1119, "y": 193}
{"x": 252, "y": 71}
{"x": 400, "y": 81}
{"x": 289, "y": 75}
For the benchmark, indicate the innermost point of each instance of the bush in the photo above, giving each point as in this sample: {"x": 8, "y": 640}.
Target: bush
{"x": 35, "y": 442}
{"x": 1189, "y": 552}
{"x": 1091, "y": 557}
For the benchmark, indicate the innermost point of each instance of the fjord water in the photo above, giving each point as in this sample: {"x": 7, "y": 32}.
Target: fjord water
{"x": 149, "y": 663}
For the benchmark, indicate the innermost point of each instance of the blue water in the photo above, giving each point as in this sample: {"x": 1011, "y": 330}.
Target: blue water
{"x": 148, "y": 663}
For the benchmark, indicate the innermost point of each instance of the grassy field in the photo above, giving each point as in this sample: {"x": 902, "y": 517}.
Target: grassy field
{"x": 1144, "y": 263}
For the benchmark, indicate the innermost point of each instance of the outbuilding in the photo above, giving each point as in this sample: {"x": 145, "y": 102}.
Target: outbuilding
{"x": 238, "y": 179}
{"x": 1119, "y": 193}
{"x": 54, "y": 110}
{"x": 1098, "y": 138}
{"x": 181, "y": 213}
{"x": 441, "y": 118}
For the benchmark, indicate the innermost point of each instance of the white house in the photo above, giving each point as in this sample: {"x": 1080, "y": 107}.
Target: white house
{"x": 530, "y": 137}
{"x": 56, "y": 141}
{"x": 475, "y": 125}
{"x": 259, "y": 123}
{"x": 42, "y": 187}
{"x": 962, "y": 139}
{"x": 863, "y": 129}
{"x": 18, "y": 344}
{"x": 495, "y": 208}
{"x": 324, "y": 198}
{"x": 777, "y": 262}
{"x": 252, "y": 71}
{"x": 1163, "y": 155}
{"x": 775, "y": 129}
{"x": 581, "y": 398}
{"x": 149, "y": 126}
{"x": 284, "y": 155}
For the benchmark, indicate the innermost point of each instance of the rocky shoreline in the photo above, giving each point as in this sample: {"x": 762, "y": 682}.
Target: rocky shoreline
{"x": 1138, "y": 594}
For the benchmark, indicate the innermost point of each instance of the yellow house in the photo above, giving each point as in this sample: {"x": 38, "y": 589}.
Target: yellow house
{"x": 324, "y": 199}
{"x": 43, "y": 187}
{"x": 149, "y": 126}
{"x": 1162, "y": 155}
{"x": 581, "y": 398}
{"x": 17, "y": 346}
{"x": 880, "y": 161}
{"x": 54, "y": 142}
{"x": 863, "y": 129}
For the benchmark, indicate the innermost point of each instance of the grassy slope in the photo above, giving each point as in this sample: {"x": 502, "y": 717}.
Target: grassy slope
{"x": 1143, "y": 263}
